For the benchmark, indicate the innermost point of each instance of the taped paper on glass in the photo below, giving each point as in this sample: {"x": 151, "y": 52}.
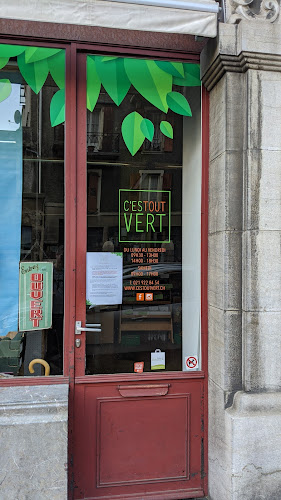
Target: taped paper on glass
{"x": 104, "y": 278}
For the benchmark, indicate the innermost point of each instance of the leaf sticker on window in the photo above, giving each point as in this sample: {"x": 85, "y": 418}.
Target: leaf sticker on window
{"x": 93, "y": 83}
{"x": 167, "y": 129}
{"x": 57, "y": 108}
{"x": 11, "y": 50}
{"x": 147, "y": 129}
{"x": 5, "y": 89}
{"x": 132, "y": 133}
{"x": 34, "y": 54}
{"x": 150, "y": 81}
{"x": 109, "y": 58}
{"x": 178, "y": 103}
{"x": 56, "y": 65}
{"x": 113, "y": 78}
{"x": 35, "y": 74}
{"x": 191, "y": 76}
{"x": 173, "y": 68}
{"x": 3, "y": 61}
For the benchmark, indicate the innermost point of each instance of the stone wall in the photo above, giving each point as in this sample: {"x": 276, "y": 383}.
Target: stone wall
{"x": 242, "y": 71}
{"x": 33, "y": 442}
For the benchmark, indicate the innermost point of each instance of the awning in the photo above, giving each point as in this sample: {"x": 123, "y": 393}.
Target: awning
{"x": 197, "y": 17}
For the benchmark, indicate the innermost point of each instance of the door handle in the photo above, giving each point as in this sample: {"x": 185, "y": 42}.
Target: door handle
{"x": 91, "y": 327}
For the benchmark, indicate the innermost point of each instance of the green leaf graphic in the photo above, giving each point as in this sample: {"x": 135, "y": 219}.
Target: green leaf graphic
{"x": 191, "y": 76}
{"x": 147, "y": 129}
{"x": 113, "y": 77}
{"x": 35, "y": 74}
{"x": 5, "y": 89}
{"x": 109, "y": 58}
{"x": 173, "y": 68}
{"x": 34, "y": 54}
{"x": 167, "y": 129}
{"x": 56, "y": 65}
{"x": 150, "y": 81}
{"x": 57, "y": 108}
{"x": 11, "y": 50}
{"x": 93, "y": 83}
{"x": 131, "y": 132}
{"x": 178, "y": 103}
{"x": 3, "y": 61}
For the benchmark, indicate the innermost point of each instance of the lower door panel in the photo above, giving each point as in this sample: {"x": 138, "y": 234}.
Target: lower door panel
{"x": 138, "y": 439}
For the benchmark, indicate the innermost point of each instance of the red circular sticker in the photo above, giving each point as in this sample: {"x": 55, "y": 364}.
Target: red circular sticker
{"x": 191, "y": 362}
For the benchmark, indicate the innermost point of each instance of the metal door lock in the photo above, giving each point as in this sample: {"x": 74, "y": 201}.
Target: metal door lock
{"x": 77, "y": 342}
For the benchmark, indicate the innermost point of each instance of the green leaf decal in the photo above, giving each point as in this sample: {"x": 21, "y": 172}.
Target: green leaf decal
{"x": 35, "y": 74}
{"x": 34, "y": 54}
{"x": 93, "y": 83}
{"x": 191, "y": 76}
{"x": 57, "y": 108}
{"x": 3, "y": 61}
{"x": 173, "y": 68}
{"x": 150, "y": 81}
{"x": 56, "y": 65}
{"x": 109, "y": 58}
{"x": 167, "y": 129}
{"x": 147, "y": 129}
{"x": 132, "y": 133}
{"x": 113, "y": 77}
{"x": 178, "y": 103}
{"x": 11, "y": 50}
{"x": 5, "y": 89}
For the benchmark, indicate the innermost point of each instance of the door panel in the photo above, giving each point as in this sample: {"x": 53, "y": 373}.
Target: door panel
{"x": 131, "y": 447}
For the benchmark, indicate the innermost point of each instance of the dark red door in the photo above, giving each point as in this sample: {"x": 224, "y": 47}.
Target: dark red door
{"x": 139, "y": 379}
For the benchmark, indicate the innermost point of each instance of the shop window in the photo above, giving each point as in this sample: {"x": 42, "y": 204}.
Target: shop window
{"x": 32, "y": 209}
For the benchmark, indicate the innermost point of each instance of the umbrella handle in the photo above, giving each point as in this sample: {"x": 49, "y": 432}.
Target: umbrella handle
{"x": 41, "y": 362}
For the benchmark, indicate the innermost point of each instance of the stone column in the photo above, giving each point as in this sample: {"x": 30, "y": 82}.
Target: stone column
{"x": 242, "y": 71}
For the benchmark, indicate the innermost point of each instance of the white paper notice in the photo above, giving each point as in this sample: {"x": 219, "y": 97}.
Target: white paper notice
{"x": 104, "y": 280}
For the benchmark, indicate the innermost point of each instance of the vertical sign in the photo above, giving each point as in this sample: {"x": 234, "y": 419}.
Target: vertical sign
{"x": 35, "y": 295}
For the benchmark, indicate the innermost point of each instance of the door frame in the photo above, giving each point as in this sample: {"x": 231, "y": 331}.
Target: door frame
{"x": 76, "y": 209}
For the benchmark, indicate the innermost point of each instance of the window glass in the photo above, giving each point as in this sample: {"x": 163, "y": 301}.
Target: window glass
{"x": 32, "y": 105}
{"x": 144, "y": 207}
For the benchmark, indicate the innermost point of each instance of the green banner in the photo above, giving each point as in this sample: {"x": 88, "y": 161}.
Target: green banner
{"x": 35, "y": 295}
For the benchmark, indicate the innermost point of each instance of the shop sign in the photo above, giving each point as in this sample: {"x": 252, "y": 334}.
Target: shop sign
{"x": 35, "y": 295}
{"x": 144, "y": 216}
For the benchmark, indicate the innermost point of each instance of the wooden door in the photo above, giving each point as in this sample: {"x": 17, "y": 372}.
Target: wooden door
{"x": 138, "y": 431}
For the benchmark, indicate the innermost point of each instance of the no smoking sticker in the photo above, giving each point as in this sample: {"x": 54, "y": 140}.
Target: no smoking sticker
{"x": 191, "y": 363}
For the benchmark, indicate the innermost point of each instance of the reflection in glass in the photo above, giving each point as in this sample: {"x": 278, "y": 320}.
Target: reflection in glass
{"x": 150, "y": 316}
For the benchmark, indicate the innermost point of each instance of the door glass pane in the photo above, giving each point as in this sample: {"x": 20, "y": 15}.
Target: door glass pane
{"x": 31, "y": 208}
{"x": 143, "y": 220}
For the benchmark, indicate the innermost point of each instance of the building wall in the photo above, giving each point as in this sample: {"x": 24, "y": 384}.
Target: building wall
{"x": 33, "y": 442}
{"x": 244, "y": 81}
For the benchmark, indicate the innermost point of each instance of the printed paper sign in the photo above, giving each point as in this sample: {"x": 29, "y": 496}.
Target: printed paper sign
{"x": 35, "y": 295}
{"x": 191, "y": 363}
{"x": 158, "y": 360}
{"x": 104, "y": 281}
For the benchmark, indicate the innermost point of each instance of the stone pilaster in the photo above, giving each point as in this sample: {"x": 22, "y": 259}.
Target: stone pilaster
{"x": 242, "y": 71}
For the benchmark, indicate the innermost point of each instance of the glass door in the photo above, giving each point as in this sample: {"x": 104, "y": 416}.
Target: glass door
{"x": 138, "y": 380}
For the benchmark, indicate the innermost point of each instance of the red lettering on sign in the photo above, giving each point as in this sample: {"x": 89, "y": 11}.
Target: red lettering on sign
{"x": 36, "y": 277}
{"x": 36, "y": 285}
{"x": 36, "y": 294}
